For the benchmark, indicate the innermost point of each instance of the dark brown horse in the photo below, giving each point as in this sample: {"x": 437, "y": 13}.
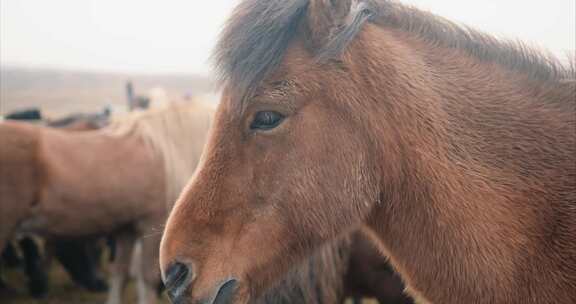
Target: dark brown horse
{"x": 82, "y": 121}
{"x": 455, "y": 151}
{"x": 371, "y": 276}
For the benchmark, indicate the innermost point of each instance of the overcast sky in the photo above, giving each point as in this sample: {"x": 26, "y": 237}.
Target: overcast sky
{"x": 171, "y": 36}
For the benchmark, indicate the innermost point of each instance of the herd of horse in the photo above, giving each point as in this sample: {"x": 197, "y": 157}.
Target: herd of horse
{"x": 79, "y": 184}
{"x": 360, "y": 148}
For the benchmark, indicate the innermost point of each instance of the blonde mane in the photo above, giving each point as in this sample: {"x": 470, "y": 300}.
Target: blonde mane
{"x": 176, "y": 132}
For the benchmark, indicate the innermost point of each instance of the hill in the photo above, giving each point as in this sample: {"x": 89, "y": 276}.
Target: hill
{"x": 65, "y": 91}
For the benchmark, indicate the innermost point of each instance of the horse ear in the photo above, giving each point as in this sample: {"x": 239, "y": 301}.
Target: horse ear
{"x": 323, "y": 16}
{"x": 330, "y": 8}
{"x": 334, "y": 23}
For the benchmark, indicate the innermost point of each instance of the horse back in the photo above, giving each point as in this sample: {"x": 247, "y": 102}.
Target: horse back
{"x": 96, "y": 182}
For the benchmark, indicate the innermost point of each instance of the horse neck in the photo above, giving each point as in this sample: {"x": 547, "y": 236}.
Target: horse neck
{"x": 485, "y": 163}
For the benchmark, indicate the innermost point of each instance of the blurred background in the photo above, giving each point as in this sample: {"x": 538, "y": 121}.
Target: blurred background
{"x": 76, "y": 55}
{"x": 69, "y": 56}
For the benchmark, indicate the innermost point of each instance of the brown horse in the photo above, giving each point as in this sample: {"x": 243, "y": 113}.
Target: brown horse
{"x": 121, "y": 179}
{"x": 455, "y": 151}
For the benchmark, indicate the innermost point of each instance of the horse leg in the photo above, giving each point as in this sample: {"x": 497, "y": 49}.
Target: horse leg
{"x": 3, "y": 284}
{"x": 10, "y": 256}
{"x": 80, "y": 259}
{"x": 120, "y": 267}
{"x": 3, "y": 243}
{"x": 35, "y": 268}
{"x": 356, "y": 300}
{"x": 148, "y": 274}
{"x": 111, "y": 243}
{"x": 95, "y": 253}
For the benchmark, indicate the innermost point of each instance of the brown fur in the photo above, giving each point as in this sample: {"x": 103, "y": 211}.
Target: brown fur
{"x": 455, "y": 151}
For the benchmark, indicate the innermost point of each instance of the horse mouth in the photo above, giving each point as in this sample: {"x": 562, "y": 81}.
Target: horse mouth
{"x": 226, "y": 292}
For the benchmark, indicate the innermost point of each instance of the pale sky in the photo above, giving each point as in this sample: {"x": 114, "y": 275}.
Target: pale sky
{"x": 170, "y": 36}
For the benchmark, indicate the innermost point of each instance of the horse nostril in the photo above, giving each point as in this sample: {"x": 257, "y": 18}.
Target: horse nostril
{"x": 177, "y": 278}
{"x": 226, "y": 292}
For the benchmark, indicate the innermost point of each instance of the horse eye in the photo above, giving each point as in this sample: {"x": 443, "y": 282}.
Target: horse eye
{"x": 266, "y": 120}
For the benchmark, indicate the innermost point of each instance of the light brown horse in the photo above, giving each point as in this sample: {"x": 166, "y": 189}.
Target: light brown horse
{"x": 455, "y": 151}
{"x": 78, "y": 257}
{"x": 121, "y": 179}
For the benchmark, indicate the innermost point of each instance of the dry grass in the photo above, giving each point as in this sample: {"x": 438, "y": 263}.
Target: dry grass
{"x": 64, "y": 291}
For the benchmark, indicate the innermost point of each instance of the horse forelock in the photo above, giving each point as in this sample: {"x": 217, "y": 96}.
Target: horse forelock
{"x": 254, "y": 41}
{"x": 257, "y": 36}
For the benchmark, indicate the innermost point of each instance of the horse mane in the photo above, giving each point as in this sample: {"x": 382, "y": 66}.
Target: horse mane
{"x": 254, "y": 41}
{"x": 257, "y": 35}
{"x": 177, "y": 132}
{"x": 515, "y": 55}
